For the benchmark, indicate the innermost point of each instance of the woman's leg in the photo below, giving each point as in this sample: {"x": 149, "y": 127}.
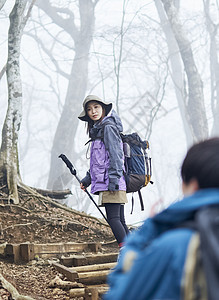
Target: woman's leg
{"x": 113, "y": 217}
{"x": 122, "y": 218}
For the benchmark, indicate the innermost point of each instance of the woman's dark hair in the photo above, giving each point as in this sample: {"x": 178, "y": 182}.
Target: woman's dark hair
{"x": 202, "y": 163}
{"x": 90, "y": 123}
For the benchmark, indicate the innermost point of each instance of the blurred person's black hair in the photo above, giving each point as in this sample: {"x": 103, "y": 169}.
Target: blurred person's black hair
{"x": 202, "y": 163}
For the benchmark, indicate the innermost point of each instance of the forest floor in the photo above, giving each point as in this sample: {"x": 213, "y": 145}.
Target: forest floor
{"x": 42, "y": 220}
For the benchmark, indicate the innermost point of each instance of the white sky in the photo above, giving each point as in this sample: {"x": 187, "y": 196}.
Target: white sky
{"x": 167, "y": 141}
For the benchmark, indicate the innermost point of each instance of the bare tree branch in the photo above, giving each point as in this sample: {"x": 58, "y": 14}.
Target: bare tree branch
{"x": 48, "y": 52}
{"x": 65, "y": 23}
{"x": 2, "y": 71}
{"x": 2, "y": 3}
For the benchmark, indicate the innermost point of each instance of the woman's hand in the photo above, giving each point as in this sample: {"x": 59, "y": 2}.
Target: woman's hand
{"x": 82, "y": 186}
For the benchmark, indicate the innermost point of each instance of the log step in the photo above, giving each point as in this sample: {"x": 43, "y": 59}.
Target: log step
{"x": 28, "y": 251}
{"x": 92, "y": 292}
{"x": 92, "y": 274}
{"x": 92, "y": 277}
{"x": 90, "y": 268}
{"x": 82, "y": 260}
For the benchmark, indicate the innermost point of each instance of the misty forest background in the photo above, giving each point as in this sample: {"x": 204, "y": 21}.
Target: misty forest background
{"x": 157, "y": 61}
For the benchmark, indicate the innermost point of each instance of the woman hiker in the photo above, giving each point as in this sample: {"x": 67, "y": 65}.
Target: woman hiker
{"x": 106, "y": 162}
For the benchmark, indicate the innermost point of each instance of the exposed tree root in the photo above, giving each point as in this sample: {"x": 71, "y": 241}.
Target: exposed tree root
{"x": 46, "y": 199}
{"x": 16, "y": 225}
{"x": 12, "y": 290}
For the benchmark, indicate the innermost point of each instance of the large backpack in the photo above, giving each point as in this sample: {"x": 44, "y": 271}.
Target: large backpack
{"x": 201, "y": 280}
{"x": 138, "y": 170}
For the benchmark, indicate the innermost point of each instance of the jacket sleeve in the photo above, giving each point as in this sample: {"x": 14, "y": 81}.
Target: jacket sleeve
{"x": 112, "y": 142}
{"x": 86, "y": 181}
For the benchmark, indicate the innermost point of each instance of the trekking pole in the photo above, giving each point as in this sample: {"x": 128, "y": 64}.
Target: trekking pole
{"x": 73, "y": 172}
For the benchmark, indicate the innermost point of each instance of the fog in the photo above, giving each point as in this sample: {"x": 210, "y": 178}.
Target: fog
{"x": 120, "y": 51}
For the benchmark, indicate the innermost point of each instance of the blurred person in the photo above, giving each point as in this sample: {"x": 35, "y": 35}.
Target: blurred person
{"x": 106, "y": 162}
{"x": 162, "y": 259}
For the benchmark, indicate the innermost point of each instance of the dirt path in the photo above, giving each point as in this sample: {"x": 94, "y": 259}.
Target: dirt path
{"x": 41, "y": 222}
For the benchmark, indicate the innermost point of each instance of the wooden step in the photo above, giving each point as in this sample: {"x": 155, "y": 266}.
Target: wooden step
{"x": 91, "y": 292}
{"x": 91, "y": 268}
{"x": 91, "y": 274}
{"x": 28, "y": 251}
{"x": 82, "y": 260}
{"x": 92, "y": 277}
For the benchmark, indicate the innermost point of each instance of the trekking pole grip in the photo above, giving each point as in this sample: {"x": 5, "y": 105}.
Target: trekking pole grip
{"x": 69, "y": 165}
{"x": 73, "y": 171}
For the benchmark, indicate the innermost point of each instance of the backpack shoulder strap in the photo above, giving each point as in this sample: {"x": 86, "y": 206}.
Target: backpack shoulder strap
{"x": 206, "y": 224}
{"x": 208, "y": 227}
{"x": 141, "y": 201}
{"x": 194, "y": 283}
{"x": 132, "y": 203}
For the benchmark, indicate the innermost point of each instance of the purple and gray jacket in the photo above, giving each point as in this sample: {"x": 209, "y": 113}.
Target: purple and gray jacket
{"x": 106, "y": 156}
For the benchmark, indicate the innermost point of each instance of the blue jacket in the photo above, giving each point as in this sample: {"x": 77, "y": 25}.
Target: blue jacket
{"x": 160, "y": 251}
{"x": 106, "y": 156}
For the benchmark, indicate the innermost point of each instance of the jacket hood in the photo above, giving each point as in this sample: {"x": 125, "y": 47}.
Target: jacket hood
{"x": 111, "y": 119}
{"x": 186, "y": 208}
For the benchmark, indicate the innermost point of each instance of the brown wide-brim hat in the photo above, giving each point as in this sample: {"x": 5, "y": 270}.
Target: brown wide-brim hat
{"x": 83, "y": 115}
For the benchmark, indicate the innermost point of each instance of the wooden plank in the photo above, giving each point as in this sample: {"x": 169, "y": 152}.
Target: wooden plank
{"x": 91, "y": 294}
{"x": 58, "y": 248}
{"x": 67, "y": 261}
{"x": 74, "y": 293}
{"x": 102, "y": 258}
{"x": 79, "y": 260}
{"x": 69, "y": 274}
{"x": 94, "y": 247}
{"x": 27, "y": 252}
{"x": 93, "y": 277}
{"x": 97, "y": 267}
{"x": 13, "y": 251}
{"x": 88, "y": 293}
{"x": 94, "y": 259}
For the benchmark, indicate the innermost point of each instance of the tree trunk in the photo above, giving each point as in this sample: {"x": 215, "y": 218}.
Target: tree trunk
{"x": 9, "y": 162}
{"x": 65, "y": 134}
{"x": 177, "y": 70}
{"x": 214, "y": 67}
{"x": 195, "y": 105}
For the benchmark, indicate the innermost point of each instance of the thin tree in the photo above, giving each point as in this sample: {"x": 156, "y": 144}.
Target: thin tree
{"x": 82, "y": 36}
{"x": 195, "y": 103}
{"x": 9, "y": 160}
{"x": 213, "y": 28}
{"x": 177, "y": 73}
{"x": 2, "y": 72}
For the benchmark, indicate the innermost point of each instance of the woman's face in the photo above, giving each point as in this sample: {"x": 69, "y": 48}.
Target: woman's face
{"x": 94, "y": 111}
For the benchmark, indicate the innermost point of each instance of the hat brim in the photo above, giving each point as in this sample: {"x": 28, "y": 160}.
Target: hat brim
{"x": 84, "y": 117}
